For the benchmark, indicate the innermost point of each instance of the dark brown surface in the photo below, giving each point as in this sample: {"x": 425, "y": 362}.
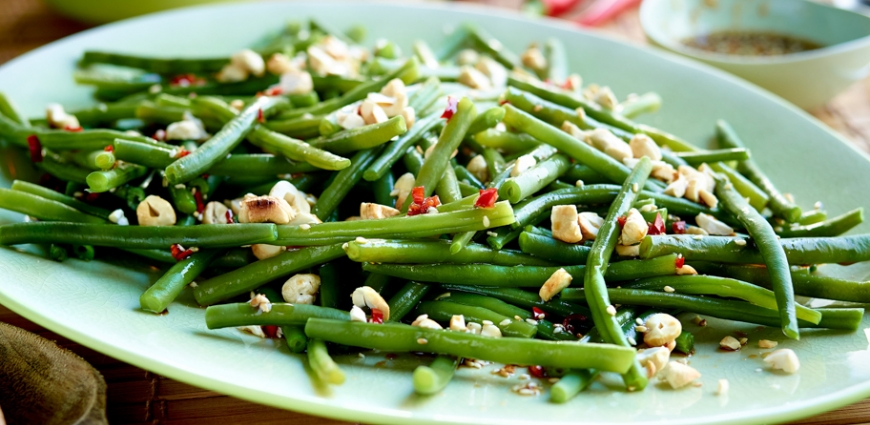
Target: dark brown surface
{"x": 136, "y": 396}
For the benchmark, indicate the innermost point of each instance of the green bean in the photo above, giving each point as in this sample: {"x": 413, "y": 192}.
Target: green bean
{"x": 812, "y": 217}
{"x": 182, "y": 198}
{"x": 427, "y": 252}
{"x": 443, "y": 311}
{"x": 831, "y": 227}
{"x": 685, "y": 343}
{"x": 105, "y": 114}
{"x": 395, "y": 149}
{"x": 771, "y": 251}
{"x": 258, "y": 164}
{"x": 232, "y": 259}
{"x": 576, "y": 149}
{"x": 639, "y": 105}
{"x": 557, "y": 60}
{"x": 104, "y": 160}
{"x": 757, "y": 197}
{"x": 322, "y": 365}
{"x": 451, "y": 45}
{"x": 344, "y": 182}
{"x": 394, "y": 338}
{"x": 572, "y": 384}
{"x": 281, "y": 314}
{"x": 425, "y": 96}
{"x": 495, "y": 165}
{"x": 517, "y": 188}
{"x": 598, "y": 113}
{"x": 329, "y": 285}
{"x": 597, "y": 266}
{"x": 407, "y": 73}
{"x": 505, "y": 141}
{"x": 57, "y": 253}
{"x": 780, "y": 206}
{"x": 711, "y": 156}
{"x": 464, "y": 176}
{"x": 103, "y": 181}
{"x": 86, "y": 159}
{"x": 364, "y": 137}
{"x": 22, "y": 186}
{"x": 137, "y": 237}
{"x": 721, "y": 287}
{"x": 582, "y": 173}
{"x": 546, "y": 329}
{"x": 55, "y": 165}
{"x": 254, "y": 275}
{"x": 219, "y": 145}
{"x": 43, "y": 208}
{"x": 553, "y": 250}
{"x": 503, "y": 236}
{"x": 377, "y": 281}
{"x": 799, "y": 251}
{"x": 418, "y": 226}
{"x": 522, "y": 276}
{"x": 170, "y": 285}
{"x": 452, "y": 135}
{"x": 805, "y": 282}
{"x": 432, "y": 379}
{"x": 83, "y": 252}
{"x": 301, "y": 127}
{"x": 486, "y": 120}
{"x": 382, "y": 188}
{"x": 10, "y": 110}
{"x": 740, "y": 311}
{"x": 166, "y": 66}
{"x": 448, "y": 187}
{"x": 332, "y": 82}
{"x": 404, "y": 301}
{"x": 460, "y": 241}
{"x": 522, "y": 298}
{"x": 486, "y": 43}
{"x": 296, "y": 150}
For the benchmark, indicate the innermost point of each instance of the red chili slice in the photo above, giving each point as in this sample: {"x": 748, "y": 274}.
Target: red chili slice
{"x": 260, "y": 117}
{"x": 179, "y": 253}
{"x": 573, "y": 323}
{"x": 200, "y": 206}
{"x": 537, "y": 372}
{"x": 568, "y": 85}
{"x": 452, "y": 104}
{"x": 35, "y": 148}
{"x": 680, "y": 262}
{"x": 679, "y": 227}
{"x": 92, "y": 196}
{"x": 503, "y": 102}
{"x": 487, "y": 198}
{"x": 658, "y": 226}
{"x": 109, "y": 148}
{"x": 621, "y": 221}
{"x": 182, "y": 153}
{"x": 229, "y": 216}
{"x": 538, "y": 314}
{"x": 377, "y": 316}
{"x": 417, "y": 194}
{"x": 271, "y": 331}
{"x": 186, "y": 80}
{"x": 274, "y": 91}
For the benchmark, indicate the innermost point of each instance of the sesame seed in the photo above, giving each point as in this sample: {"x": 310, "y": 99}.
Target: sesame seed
{"x": 640, "y": 328}
{"x": 632, "y": 341}
{"x": 639, "y": 321}
{"x": 491, "y": 233}
{"x": 305, "y": 226}
{"x": 505, "y": 322}
{"x": 669, "y": 289}
{"x": 486, "y": 222}
{"x": 740, "y": 242}
{"x": 635, "y": 187}
{"x": 422, "y": 341}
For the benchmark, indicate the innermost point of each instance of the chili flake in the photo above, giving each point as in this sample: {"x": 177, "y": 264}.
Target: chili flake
{"x": 487, "y": 198}
{"x": 657, "y": 227}
{"x": 35, "y": 148}
{"x": 679, "y": 227}
{"x": 621, "y": 221}
{"x": 377, "y": 316}
{"x": 452, "y": 104}
{"x": 680, "y": 261}
{"x": 271, "y": 331}
{"x": 200, "y": 206}
{"x": 537, "y": 372}
{"x": 109, "y": 148}
{"x": 179, "y": 253}
{"x": 538, "y": 314}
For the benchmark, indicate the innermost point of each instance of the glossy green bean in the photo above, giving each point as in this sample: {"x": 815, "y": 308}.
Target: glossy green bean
{"x": 486, "y": 43}
{"x": 360, "y": 138}
{"x": 303, "y": 127}
{"x": 329, "y": 285}
{"x": 448, "y": 187}
{"x": 517, "y": 188}
{"x": 639, "y": 105}
{"x": 43, "y": 208}
{"x": 432, "y": 379}
{"x": 167, "y": 66}
{"x": 711, "y": 156}
{"x": 464, "y": 176}
{"x": 495, "y": 166}
{"x": 486, "y": 120}
{"x": 451, "y": 45}
{"x": 254, "y": 275}
{"x": 572, "y": 384}
{"x": 582, "y": 173}
{"x": 831, "y": 227}
{"x": 418, "y": 226}
{"x": 428, "y": 252}
{"x": 521, "y": 298}
{"x": 137, "y": 237}
{"x": 281, "y": 314}
{"x": 506, "y": 141}
{"x": 55, "y": 165}
{"x": 443, "y": 311}
{"x": 173, "y": 281}
{"x": 34, "y": 189}
{"x": 344, "y": 182}
{"x": 323, "y": 366}
{"x": 103, "y": 181}
{"x": 553, "y": 250}
{"x": 812, "y": 217}
{"x": 394, "y": 338}
{"x": 404, "y": 301}
{"x": 395, "y": 149}
{"x": 557, "y": 60}
{"x": 546, "y": 329}
{"x": 382, "y": 188}
{"x": 10, "y": 110}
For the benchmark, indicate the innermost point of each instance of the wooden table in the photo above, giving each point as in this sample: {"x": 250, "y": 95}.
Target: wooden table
{"x": 137, "y": 396}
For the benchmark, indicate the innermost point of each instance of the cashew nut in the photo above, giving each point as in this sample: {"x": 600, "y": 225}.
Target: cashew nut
{"x": 473, "y": 78}
{"x": 250, "y": 61}
{"x": 564, "y": 224}
{"x": 634, "y": 229}
{"x": 295, "y": 198}
{"x": 259, "y": 301}
{"x": 643, "y": 146}
{"x": 713, "y": 226}
{"x": 523, "y": 163}
{"x": 628, "y": 251}
{"x": 372, "y": 211}
{"x": 372, "y": 113}
{"x": 677, "y": 187}
{"x": 155, "y": 211}
{"x": 301, "y": 288}
{"x": 357, "y": 315}
{"x": 457, "y": 323}
{"x": 365, "y": 296}
{"x": 279, "y": 64}
{"x": 410, "y": 116}
{"x": 58, "y": 118}
{"x": 654, "y": 359}
{"x": 496, "y": 73}
{"x": 467, "y": 57}
{"x": 729, "y": 343}
{"x": 607, "y": 142}
{"x": 783, "y": 359}
{"x": 263, "y": 251}
{"x": 215, "y": 213}
{"x": 679, "y": 375}
{"x": 490, "y": 330}
{"x": 402, "y": 188}
{"x": 559, "y": 280}
{"x": 589, "y": 222}
{"x": 477, "y": 167}
{"x": 534, "y": 59}
{"x": 296, "y": 82}
{"x": 662, "y": 329}
{"x": 424, "y": 321}
{"x": 349, "y": 120}
{"x": 265, "y": 209}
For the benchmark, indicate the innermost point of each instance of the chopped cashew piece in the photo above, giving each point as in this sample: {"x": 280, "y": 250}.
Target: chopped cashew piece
{"x": 58, "y": 118}
{"x": 119, "y": 218}
{"x": 490, "y": 330}
{"x": 365, "y": 296}
{"x": 662, "y": 329}
{"x": 457, "y": 323}
{"x": 643, "y": 146}
{"x": 613, "y": 146}
{"x": 474, "y": 328}
{"x": 634, "y": 229}
{"x": 263, "y": 251}
{"x": 523, "y": 163}
{"x": 265, "y": 209}
{"x": 729, "y": 343}
{"x": 583, "y": 135}
{"x": 424, "y": 321}
{"x": 190, "y": 128}
{"x": 663, "y": 171}
{"x": 477, "y": 167}
{"x": 564, "y": 224}
{"x": 589, "y": 222}
{"x": 766, "y": 343}
{"x": 409, "y": 115}
{"x": 215, "y": 213}
{"x": 654, "y": 359}
{"x": 713, "y": 226}
{"x": 606, "y": 98}
{"x": 349, "y": 120}
{"x": 495, "y": 71}
{"x": 708, "y": 198}
{"x": 534, "y": 59}
{"x": 372, "y": 113}
{"x": 301, "y": 288}
{"x": 628, "y": 251}
{"x": 686, "y": 270}
{"x": 280, "y": 64}
{"x": 254, "y": 330}
{"x": 677, "y": 188}
{"x": 357, "y": 315}
{"x": 467, "y": 57}
{"x": 783, "y": 359}
{"x": 296, "y": 82}
{"x": 372, "y": 211}
{"x": 231, "y": 74}
{"x": 559, "y": 280}
{"x": 678, "y": 375}
{"x": 259, "y": 301}
{"x": 402, "y": 188}
{"x": 722, "y": 387}
{"x": 155, "y": 211}
{"x": 473, "y": 78}
{"x": 697, "y": 231}
{"x": 249, "y": 61}
{"x": 294, "y": 197}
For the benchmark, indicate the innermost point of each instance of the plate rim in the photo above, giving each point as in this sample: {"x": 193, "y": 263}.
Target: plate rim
{"x": 319, "y": 406}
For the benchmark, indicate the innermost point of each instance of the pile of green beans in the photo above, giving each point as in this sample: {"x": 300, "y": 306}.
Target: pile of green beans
{"x": 389, "y": 205}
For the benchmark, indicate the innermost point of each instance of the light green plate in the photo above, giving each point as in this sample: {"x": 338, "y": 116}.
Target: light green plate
{"x": 96, "y": 304}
